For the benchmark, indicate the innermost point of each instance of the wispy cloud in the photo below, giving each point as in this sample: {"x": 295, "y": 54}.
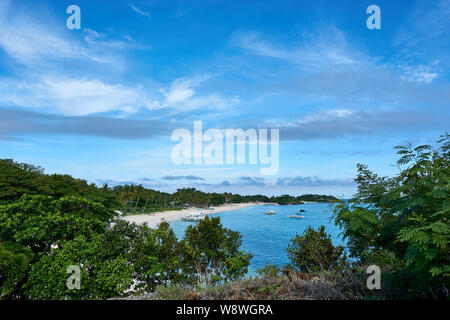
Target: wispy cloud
{"x": 46, "y": 58}
{"x": 188, "y": 177}
{"x": 422, "y": 42}
{"x": 252, "y": 181}
{"x": 100, "y": 41}
{"x": 425, "y": 27}
{"x": 340, "y": 123}
{"x": 313, "y": 182}
{"x": 421, "y": 73}
{"x": 140, "y": 11}
{"x": 182, "y": 95}
{"x": 74, "y": 97}
{"x": 181, "y": 11}
{"x": 296, "y": 181}
{"x": 324, "y": 49}
{"x": 79, "y": 96}
{"x": 28, "y": 41}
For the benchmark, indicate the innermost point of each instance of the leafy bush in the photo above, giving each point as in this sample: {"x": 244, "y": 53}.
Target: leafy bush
{"x": 313, "y": 252}
{"x": 110, "y": 264}
{"x": 269, "y": 271}
{"x": 403, "y": 223}
{"x": 212, "y": 253}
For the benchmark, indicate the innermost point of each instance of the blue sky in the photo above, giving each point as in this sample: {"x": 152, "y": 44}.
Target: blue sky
{"x": 100, "y": 103}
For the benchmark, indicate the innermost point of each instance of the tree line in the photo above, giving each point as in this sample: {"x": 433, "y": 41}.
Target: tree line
{"x": 17, "y": 179}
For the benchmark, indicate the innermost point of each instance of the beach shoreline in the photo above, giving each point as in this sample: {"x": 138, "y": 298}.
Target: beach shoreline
{"x": 156, "y": 218}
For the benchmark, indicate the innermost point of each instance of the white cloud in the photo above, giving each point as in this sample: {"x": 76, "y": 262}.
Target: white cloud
{"x": 422, "y": 41}
{"x": 329, "y": 115}
{"x": 420, "y": 73}
{"x": 28, "y": 40}
{"x": 75, "y": 97}
{"x": 324, "y": 49}
{"x": 100, "y": 42}
{"x": 182, "y": 96}
{"x": 47, "y": 52}
{"x": 140, "y": 11}
{"x": 48, "y": 49}
{"x": 180, "y": 91}
{"x": 37, "y": 45}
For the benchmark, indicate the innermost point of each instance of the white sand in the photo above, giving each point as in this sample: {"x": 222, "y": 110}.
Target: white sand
{"x": 155, "y": 218}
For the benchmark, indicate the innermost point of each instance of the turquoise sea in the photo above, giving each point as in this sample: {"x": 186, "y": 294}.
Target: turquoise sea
{"x": 267, "y": 236}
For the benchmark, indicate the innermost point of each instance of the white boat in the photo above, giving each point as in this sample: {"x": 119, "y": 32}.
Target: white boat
{"x": 269, "y": 212}
{"x": 296, "y": 216}
{"x": 194, "y": 217}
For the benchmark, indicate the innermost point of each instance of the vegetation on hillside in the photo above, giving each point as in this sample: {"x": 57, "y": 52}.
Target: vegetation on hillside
{"x": 125, "y": 258}
{"x": 50, "y": 222}
{"x": 313, "y": 252}
{"x": 287, "y": 199}
{"x": 402, "y": 224}
{"x": 287, "y": 284}
{"x": 18, "y": 179}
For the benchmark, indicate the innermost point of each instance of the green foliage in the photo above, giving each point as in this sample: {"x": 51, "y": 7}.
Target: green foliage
{"x": 287, "y": 199}
{"x": 129, "y": 254}
{"x": 212, "y": 253}
{"x": 51, "y": 235}
{"x": 99, "y": 278}
{"x": 168, "y": 254}
{"x": 402, "y": 223}
{"x": 38, "y": 222}
{"x": 112, "y": 277}
{"x": 154, "y": 253}
{"x": 109, "y": 264}
{"x": 427, "y": 245}
{"x": 18, "y": 179}
{"x": 314, "y": 252}
{"x": 49, "y": 222}
{"x": 48, "y": 276}
{"x": 271, "y": 290}
{"x": 14, "y": 267}
{"x": 269, "y": 271}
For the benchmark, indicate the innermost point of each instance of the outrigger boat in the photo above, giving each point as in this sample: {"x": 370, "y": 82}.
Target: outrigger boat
{"x": 269, "y": 212}
{"x": 296, "y": 216}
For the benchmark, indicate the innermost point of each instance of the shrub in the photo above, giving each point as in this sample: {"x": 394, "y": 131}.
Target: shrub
{"x": 211, "y": 253}
{"x": 313, "y": 252}
{"x": 403, "y": 223}
{"x": 269, "y": 271}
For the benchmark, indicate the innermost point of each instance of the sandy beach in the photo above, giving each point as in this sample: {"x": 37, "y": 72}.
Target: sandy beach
{"x": 155, "y": 218}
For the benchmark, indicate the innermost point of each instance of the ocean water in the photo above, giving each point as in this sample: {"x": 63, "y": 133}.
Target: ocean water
{"x": 268, "y": 236}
